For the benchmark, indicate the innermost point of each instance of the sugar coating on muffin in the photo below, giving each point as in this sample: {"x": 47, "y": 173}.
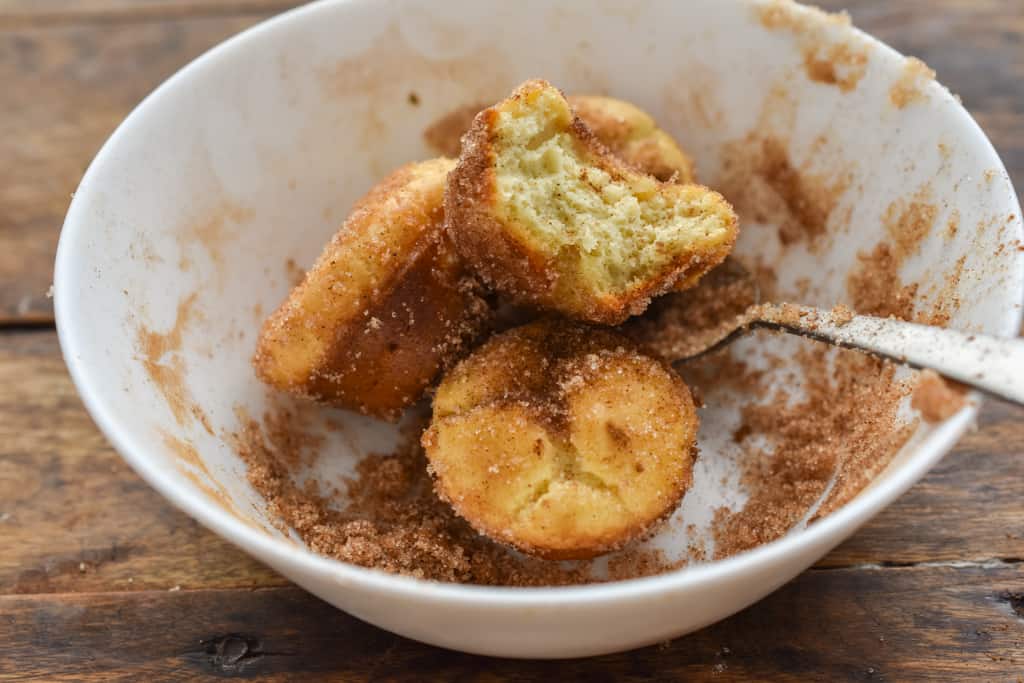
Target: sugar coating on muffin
{"x": 562, "y": 440}
{"x": 386, "y": 306}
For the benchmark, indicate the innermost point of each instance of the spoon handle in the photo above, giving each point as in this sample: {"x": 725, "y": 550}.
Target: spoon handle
{"x": 991, "y": 364}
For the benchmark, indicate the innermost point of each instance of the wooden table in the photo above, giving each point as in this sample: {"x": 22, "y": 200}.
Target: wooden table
{"x": 101, "y": 579}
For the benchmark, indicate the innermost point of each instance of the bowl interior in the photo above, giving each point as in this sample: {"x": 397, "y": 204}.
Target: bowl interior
{"x": 193, "y": 222}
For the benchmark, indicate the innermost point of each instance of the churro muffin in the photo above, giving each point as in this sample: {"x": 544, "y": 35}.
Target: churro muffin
{"x": 548, "y": 216}
{"x": 385, "y": 307}
{"x": 626, "y": 130}
{"x": 562, "y": 440}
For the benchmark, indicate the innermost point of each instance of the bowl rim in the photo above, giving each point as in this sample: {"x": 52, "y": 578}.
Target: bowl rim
{"x": 281, "y": 552}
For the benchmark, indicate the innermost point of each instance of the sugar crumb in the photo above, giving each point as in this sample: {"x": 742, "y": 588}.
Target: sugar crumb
{"x": 936, "y": 398}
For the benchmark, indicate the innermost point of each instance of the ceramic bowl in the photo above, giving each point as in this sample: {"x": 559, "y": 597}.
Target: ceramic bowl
{"x": 188, "y": 225}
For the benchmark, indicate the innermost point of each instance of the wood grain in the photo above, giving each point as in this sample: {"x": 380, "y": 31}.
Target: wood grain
{"x": 73, "y": 516}
{"x": 70, "y": 78}
{"x": 21, "y": 13}
{"x": 934, "y": 623}
{"x": 55, "y": 466}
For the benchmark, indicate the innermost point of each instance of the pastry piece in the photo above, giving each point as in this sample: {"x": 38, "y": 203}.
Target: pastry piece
{"x": 385, "y": 307}
{"x": 546, "y": 215}
{"x": 625, "y": 129}
{"x": 562, "y": 440}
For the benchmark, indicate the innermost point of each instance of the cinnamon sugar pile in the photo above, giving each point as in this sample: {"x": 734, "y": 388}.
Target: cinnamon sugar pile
{"x": 393, "y": 521}
{"x": 842, "y": 432}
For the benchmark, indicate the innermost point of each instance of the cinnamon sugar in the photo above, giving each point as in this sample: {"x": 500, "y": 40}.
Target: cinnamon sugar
{"x": 834, "y": 63}
{"x": 163, "y": 362}
{"x": 946, "y": 301}
{"x": 908, "y": 222}
{"x": 684, "y": 323}
{"x": 764, "y": 185}
{"x": 840, "y": 314}
{"x": 843, "y": 432}
{"x": 394, "y": 522}
{"x": 786, "y": 14}
{"x": 875, "y": 286}
{"x": 814, "y": 452}
{"x": 953, "y": 224}
{"x": 840, "y": 64}
{"x": 213, "y": 231}
{"x": 910, "y": 86}
{"x": 639, "y": 563}
{"x": 936, "y": 398}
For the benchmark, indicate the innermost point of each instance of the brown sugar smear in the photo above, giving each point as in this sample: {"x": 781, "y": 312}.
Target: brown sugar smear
{"x": 765, "y": 186}
{"x": 910, "y": 86}
{"x": 874, "y": 284}
{"x": 839, "y": 63}
{"x": 842, "y": 432}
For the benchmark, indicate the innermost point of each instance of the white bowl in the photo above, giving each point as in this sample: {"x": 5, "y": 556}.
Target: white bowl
{"x": 253, "y": 153}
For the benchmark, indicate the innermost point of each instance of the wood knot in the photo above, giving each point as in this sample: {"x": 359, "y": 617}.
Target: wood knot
{"x": 1015, "y": 601}
{"x": 232, "y": 652}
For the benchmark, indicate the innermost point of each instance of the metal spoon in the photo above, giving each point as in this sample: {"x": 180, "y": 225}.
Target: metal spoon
{"x": 990, "y": 364}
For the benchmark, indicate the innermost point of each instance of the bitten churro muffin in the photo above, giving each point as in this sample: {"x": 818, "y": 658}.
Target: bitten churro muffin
{"x": 562, "y": 440}
{"x": 546, "y": 215}
{"x": 625, "y": 129}
{"x": 385, "y": 307}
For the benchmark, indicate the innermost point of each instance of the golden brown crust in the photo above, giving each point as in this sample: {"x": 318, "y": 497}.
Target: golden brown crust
{"x": 523, "y": 270}
{"x": 385, "y": 307}
{"x": 562, "y": 440}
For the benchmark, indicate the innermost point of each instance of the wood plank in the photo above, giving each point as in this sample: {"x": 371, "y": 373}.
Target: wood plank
{"x": 73, "y": 516}
{"x": 59, "y": 479}
{"x": 65, "y": 90}
{"x": 20, "y": 13}
{"x": 67, "y": 87}
{"x": 934, "y": 623}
